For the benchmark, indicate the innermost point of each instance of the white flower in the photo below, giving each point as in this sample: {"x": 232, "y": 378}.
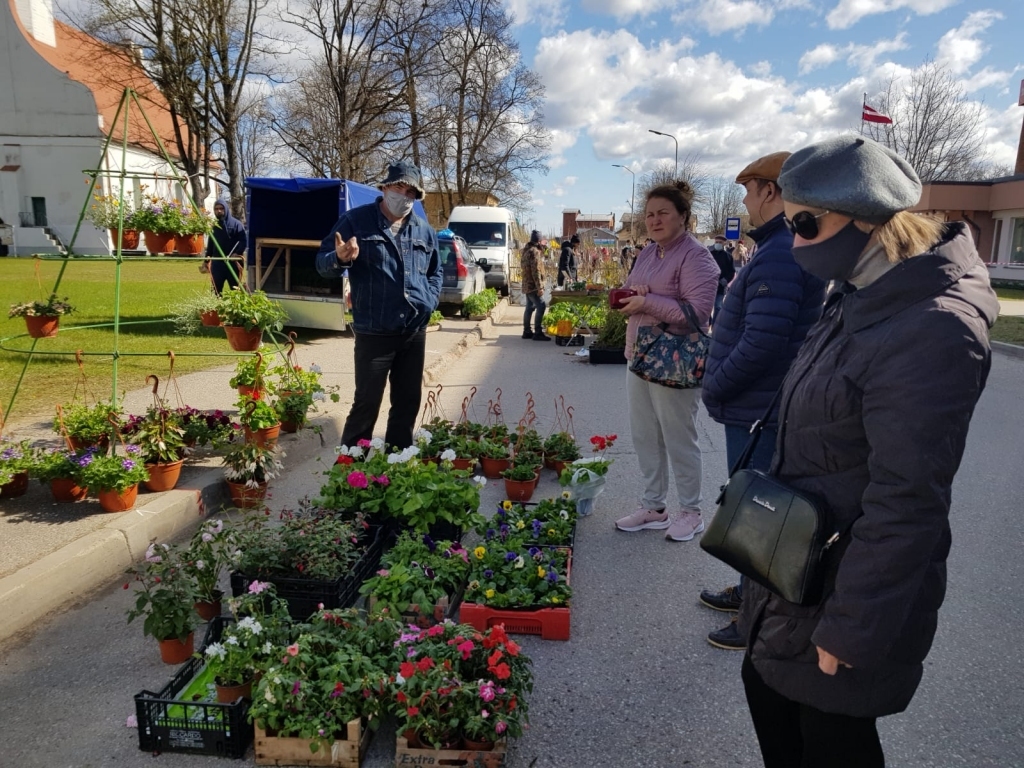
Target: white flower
{"x": 216, "y": 650}
{"x": 319, "y": 396}
{"x": 268, "y": 647}
{"x": 200, "y": 565}
{"x": 480, "y": 480}
{"x": 151, "y": 556}
{"x": 217, "y": 527}
{"x": 399, "y": 680}
{"x": 207, "y": 537}
{"x": 355, "y": 452}
{"x": 269, "y": 696}
{"x": 564, "y": 514}
{"x": 250, "y": 624}
{"x": 231, "y": 640}
{"x": 519, "y": 562}
{"x": 448, "y": 455}
{"x": 424, "y": 435}
{"x": 395, "y": 458}
{"x": 411, "y": 452}
{"x": 377, "y": 444}
{"x": 315, "y": 368}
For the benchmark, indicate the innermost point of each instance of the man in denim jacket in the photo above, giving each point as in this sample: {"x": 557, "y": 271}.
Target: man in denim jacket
{"x": 395, "y": 273}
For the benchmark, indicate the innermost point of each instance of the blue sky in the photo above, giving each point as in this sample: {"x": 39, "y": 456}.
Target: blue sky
{"x": 736, "y": 79}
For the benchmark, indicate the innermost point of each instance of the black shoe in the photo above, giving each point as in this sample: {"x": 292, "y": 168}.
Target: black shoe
{"x": 527, "y": 334}
{"x": 728, "y": 638}
{"x": 729, "y": 599}
{"x": 541, "y": 337}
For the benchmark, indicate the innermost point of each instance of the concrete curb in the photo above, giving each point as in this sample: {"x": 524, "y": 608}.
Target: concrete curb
{"x": 1010, "y": 350}
{"x": 94, "y": 561}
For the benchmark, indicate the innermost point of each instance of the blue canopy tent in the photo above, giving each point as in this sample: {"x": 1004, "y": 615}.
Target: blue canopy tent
{"x": 287, "y": 219}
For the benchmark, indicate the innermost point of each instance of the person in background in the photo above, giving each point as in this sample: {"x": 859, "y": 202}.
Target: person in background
{"x": 567, "y": 260}
{"x": 229, "y": 234}
{"x": 395, "y": 273}
{"x": 874, "y": 419}
{"x": 767, "y": 312}
{"x": 723, "y": 257}
{"x": 532, "y": 288}
{"x": 663, "y": 421}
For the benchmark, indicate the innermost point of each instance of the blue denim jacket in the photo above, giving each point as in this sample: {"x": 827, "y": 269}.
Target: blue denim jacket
{"x": 396, "y": 281}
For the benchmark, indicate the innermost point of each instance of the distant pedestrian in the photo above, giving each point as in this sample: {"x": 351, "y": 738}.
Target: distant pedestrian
{"x": 229, "y": 234}
{"x": 873, "y": 423}
{"x": 567, "y": 261}
{"x": 675, "y": 270}
{"x": 395, "y": 273}
{"x": 728, "y": 269}
{"x": 532, "y": 288}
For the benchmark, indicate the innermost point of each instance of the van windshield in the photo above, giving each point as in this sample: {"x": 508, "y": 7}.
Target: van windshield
{"x": 480, "y": 233}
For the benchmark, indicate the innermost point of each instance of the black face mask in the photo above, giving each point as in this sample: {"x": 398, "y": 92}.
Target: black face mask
{"x": 835, "y": 258}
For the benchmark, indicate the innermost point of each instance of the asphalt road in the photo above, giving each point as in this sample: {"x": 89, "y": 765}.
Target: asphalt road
{"x": 637, "y": 685}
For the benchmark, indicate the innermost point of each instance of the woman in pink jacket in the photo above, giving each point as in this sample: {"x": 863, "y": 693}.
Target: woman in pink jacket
{"x": 663, "y": 421}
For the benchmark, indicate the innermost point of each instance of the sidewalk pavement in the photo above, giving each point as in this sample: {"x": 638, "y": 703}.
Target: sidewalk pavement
{"x": 52, "y": 555}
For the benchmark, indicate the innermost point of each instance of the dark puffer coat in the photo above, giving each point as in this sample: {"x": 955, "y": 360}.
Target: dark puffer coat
{"x": 874, "y": 418}
{"x": 767, "y": 312}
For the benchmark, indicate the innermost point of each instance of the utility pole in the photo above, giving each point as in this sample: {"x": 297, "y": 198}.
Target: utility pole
{"x": 675, "y": 174}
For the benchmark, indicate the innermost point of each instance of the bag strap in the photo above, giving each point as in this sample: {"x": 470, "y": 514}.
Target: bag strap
{"x": 691, "y": 318}
{"x": 755, "y": 435}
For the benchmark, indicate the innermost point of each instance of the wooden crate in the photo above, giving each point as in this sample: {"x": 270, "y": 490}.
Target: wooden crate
{"x": 343, "y": 753}
{"x": 467, "y": 758}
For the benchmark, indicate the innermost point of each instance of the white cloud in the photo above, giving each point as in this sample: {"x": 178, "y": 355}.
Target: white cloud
{"x": 569, "y": 180}
{"x": 819, "y": 56}
{"x": 549, "y": 14}
{"x": 862, "y": 57}
{"x": 849, "y": 12}
{"x": 761, "y": 68}
{"x": 626, "y": 9}
{"x": 726, "y": 15}
{"x": 988, "y": 77}
{"x": 960, "y": 49}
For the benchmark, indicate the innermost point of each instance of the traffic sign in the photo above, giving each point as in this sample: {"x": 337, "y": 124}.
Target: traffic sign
{"x": 732, "y": 228}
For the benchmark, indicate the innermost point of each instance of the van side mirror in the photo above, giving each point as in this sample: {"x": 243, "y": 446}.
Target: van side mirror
{"x": 481, "y": 262}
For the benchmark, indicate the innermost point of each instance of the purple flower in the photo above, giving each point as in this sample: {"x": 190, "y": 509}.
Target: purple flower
{"x": 552, "y": 576}
{"x": 85, "y": 461}
{"x": 536, "y": 528}
{"x": 132, "y": 449}
{"x": 128, "y": 464}
{"x": 489, "y": 534}
{"x": 258, "y": 586}
{"x": 510, "y": 556}
{"x": 428, "y": 572}
{"x": 488, "y": 573}
{"x": 429, "y": 542}
{"x": 295, "y": 688}
{"x": 504, "y": 529}
{"x": 534, "y": 551}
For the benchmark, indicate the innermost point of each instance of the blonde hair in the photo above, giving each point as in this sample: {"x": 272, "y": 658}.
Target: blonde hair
{"x": 908, "y": 234}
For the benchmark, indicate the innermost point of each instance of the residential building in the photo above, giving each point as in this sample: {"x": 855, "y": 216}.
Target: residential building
{"x": 573, "y": 221}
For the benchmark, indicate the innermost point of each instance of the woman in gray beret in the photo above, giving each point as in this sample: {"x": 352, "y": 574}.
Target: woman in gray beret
{"x": 874, "y": 417}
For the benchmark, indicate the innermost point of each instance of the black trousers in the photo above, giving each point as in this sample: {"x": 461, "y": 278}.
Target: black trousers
{"x": 795, "y": 735}
{"x": 380, "y": 359}
{"x": 221, "y": 275}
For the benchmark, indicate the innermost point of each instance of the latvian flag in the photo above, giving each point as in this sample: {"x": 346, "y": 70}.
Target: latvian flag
{"x": 869, "y": 115}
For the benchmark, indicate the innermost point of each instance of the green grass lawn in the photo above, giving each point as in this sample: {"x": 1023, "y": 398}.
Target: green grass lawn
{"x": 1010, "y": 293}
{"x": 1009, "y": 329}
{"x": 148, "y": 288}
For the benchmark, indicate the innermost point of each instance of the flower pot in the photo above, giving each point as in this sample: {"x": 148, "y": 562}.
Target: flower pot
{"x": 412, "y": 738}
{"x": 66, "y": 491}
{"x": 118, "y": 501}
{"x": 549, "y": 463}
{"x": 129, "y": 239}
{"x": 463, "y": 463}
{"x": 478, "y": 746}
{"x": 244, "y": 497}
{"x": 42, "y": 326}
{"x": 173, "y": 651}
{"x": 290, "y": 426}
{"x": 228, "y": 694}
{"x": 159, "y": 242}
{"x": 519, "y": 490}
{"x": 494, "y": 467}
{"x": 163, "y": 477}
{"x": 252, "y": 392}
{"x": 188, "y": 245}
{"x": 209, "y": 318}
{"x": 79, "y": 444}
{"x": 242, "y": 340}
{"x": 265, "y": 437}
{"x": 558, "y": 465}
{"x": 208, "y": 610}
{"x": 15, "y": 488}
{"x": 430, "y": 460}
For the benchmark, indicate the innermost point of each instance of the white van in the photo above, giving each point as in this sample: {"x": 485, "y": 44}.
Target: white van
{"x": 490, "y": 233}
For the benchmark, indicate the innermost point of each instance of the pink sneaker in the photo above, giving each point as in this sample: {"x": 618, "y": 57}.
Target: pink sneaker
{"x": 643, "y": 519}
{"x": 684, "y": 527}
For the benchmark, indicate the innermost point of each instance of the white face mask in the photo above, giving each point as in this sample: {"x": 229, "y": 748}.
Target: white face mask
{"x": 396, "y": 202}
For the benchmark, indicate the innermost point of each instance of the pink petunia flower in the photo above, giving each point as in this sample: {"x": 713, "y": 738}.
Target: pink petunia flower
{"x": 293, "y": 649}
{"x": 357, "y": 480}
{"x": 500, "y": 726}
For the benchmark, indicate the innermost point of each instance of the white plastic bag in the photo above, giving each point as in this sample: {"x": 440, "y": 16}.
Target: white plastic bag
{"x": 584, "y": 489}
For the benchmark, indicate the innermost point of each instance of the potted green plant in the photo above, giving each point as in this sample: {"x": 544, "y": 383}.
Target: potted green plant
{"x": 110, "y": 213}
{"x": 550, "y": 522}
{"x": 298, "y": 391}
{"x": 260, "y": 420}
{"x": 85, "y": 425}
{"x": 159, "y": 220}
{"x": 520, "y": 481}
{"x": 195, "y": 225}
{"x": 250, "y": 376}
{"x": 160, "y": 436}
{"x": 476, "y": 306}
{"x": 494, "y": 457}
{"x": 559, "y": 449}
{"x": 428, "y": 498}
{"x": 462, "y": 451}
{"x": 201, "y": 428}
{"x": 42, "y": 318}
{"x": 610, "y": 346}
{"x": 211, "y": 548}
{"x": 357, "y": 483}
{"x": 114, "y": 478}
{"x": 16, "y": 459}
{"x": 434, "y": 323}
{"x": 248, "y": 468}
{"x": 164, "y": 598}
{"x": 197, "y": 310}
{"x": 60, "y": 468}
{"x": 246, "y": 316}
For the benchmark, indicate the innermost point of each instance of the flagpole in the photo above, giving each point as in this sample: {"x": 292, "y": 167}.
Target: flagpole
{"x": 862, "y": 105}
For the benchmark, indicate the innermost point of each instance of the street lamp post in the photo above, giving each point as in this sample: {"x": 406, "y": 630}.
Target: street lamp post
{"x": 632, "y": 197}
{"x": 659, "y": 133}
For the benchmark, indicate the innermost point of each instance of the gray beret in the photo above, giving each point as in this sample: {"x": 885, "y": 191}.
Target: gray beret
{"x": 851, "y": 175}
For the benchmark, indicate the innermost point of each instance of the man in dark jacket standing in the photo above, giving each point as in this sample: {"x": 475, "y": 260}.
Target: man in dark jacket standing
{"x": 567, "y": 260}
{"x": 229, "y": 235}
{"x": 723, "y": 258}
{"x": 395, "y": 272}
{"x": 530, "y": 266}
{"x": 769, "y": 308}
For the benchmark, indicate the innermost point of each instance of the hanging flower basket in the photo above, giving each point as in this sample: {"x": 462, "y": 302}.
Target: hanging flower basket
{"x": 210, "y": 318}
{"x": 242, "y": 340}
{"x": 244, "y": 497}
{"x": 129, "y": 239}
{"x": 519, "y": 490}
{"x": 492, "y": 468}
{"x": 188, "y": 245}
{"x": 42, "y": 326}
{"x": 163, "y": 477}
{"x": 265, "y": 437}
{"x": 159, "y": 242}
{"x": 118, "y": 501}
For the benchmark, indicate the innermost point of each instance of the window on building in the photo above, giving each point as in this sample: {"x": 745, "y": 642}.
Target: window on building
{"x": 997, "y": 240}
{"x": 1017, "y": 241}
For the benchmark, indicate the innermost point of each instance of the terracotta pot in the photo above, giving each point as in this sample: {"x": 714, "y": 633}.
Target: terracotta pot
{"x": 290, "y": 426}
{"x": 43, "y": 326}
{"x": 66, "y": 491}
{"x": 159, "y": 242}
{"x": 15, "y": 488}
{"x": 79, "y": 444}
{"x": 412, "y": 738}
{"x": 558, "y": 465}
{"x": 478, "y": 746}
{"x": 118, "y": 501}
{"x": 210, "y": 318}
{"x": 188, "y": 245}
{"x": 430, "y": 460}
{"x": 242, "y": 340}
{"x": 208, "y": 610}
{"x": 174, "y": 651}
{"x": 519, "y": 490}
{"x": 494, "y": 467}
{"x": 244, "y": 497}
{"x": 252, "y": 392}
{"x": 129, "y": 239}
{"x": 228, "y": 694}
{"x": 549, "y": 463}
{"x": 463, "y": 463}
{"x": 264, "y": 438}
{"x": 163, "y": 477}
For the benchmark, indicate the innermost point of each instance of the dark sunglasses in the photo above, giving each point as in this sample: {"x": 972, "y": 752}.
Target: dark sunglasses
{"x": 804, "y": 224}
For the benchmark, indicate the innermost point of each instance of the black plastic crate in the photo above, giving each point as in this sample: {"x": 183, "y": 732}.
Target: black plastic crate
{"x": 304, "y": 596}
{"x": 599, "y": 356}
{"x": 168, "y": 723}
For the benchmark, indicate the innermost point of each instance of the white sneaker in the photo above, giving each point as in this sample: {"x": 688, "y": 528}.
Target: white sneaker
{"x": 685, "y": 527}
{"x": 643, "y": 519}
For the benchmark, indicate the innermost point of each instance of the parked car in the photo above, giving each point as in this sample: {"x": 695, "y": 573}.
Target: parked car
{"x": 463, "y": 275}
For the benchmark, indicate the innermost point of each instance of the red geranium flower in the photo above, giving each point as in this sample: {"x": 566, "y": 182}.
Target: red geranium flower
{"x": 512, "y": 647}
{"x": 493, "y": 658}
{"x": 344, "y": 460}
{"x": 413, "y": 711}
{"x": 401, "y": 698}
{"x": 502, "y": 672}
{"x": 424, "y": 664}
{"x": 407, "y": 669}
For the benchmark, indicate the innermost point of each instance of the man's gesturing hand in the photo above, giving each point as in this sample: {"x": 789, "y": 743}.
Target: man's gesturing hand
{"x": 347, "y": 252}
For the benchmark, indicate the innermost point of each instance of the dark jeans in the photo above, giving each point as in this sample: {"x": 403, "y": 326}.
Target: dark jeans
{"x": 795, "y": 735}
{"x": 719, "y": 299}
{"x": 533, "y": 301}
{"x": 221, "y": 275}
{"x": 380, "y": 359}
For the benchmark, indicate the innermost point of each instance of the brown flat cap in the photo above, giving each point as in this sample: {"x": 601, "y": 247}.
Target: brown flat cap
{"x": 767, "y": 167}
